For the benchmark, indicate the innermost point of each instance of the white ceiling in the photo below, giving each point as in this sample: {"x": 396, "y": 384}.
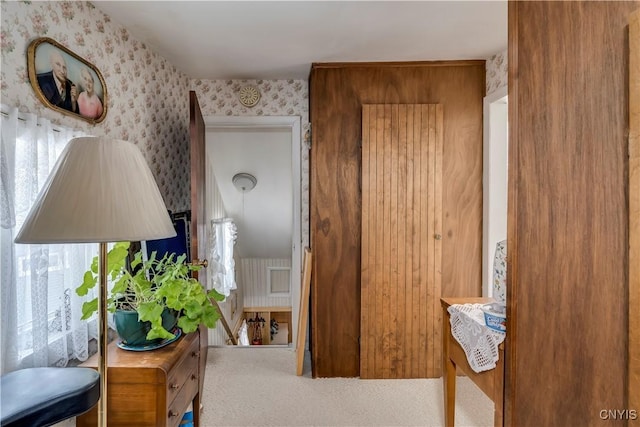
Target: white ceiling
{"x": 280, "y": 39}
{"x": 264, "y": 215}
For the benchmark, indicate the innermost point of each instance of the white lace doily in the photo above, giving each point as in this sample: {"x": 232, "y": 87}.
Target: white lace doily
{"x": 479, "y": 342}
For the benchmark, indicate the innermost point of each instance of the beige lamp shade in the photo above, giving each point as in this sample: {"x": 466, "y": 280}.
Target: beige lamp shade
{"x": 100, "y": 190}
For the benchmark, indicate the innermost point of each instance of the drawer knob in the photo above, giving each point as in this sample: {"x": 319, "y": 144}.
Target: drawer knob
{"x": 195, "y": 354}
{"x": 174, "y": 386}
{"x": 194, "y": 377}
{"x": 173, "y": 414}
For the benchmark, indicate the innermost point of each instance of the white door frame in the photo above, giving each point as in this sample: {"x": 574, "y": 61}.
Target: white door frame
{"x": 293, "y": 123}
{"x": 494, "y": 181}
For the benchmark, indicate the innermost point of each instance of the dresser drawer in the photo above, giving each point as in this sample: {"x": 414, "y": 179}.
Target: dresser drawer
{"x": 145, "y": 387}
{"x": 180, "y": 404}
{"x": 181, "y": 372}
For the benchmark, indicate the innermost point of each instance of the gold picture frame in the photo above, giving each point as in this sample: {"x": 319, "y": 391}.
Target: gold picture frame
{"x": 65, "y": 82}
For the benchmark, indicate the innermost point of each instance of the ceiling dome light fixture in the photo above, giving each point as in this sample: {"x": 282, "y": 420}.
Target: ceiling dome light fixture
{"x": 244, "y": 182}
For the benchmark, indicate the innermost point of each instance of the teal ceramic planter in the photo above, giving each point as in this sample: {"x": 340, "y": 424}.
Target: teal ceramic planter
{"x": 134, "y": 333}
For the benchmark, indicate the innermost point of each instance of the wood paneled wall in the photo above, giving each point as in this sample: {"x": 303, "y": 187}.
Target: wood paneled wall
{"x": 337, "y": 92}
{"x": 568, "y": 213}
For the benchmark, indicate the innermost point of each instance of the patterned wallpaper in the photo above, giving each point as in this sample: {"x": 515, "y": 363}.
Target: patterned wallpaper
{"x": 147, "y": 97}
{"x": 278, "y": 98}
{"x": 497, "y": 71}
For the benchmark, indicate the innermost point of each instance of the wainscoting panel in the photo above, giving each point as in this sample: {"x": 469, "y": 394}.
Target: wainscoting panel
{"x": 256, "y": 290}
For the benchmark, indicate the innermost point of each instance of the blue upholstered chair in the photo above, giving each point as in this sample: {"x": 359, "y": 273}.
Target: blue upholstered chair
{"x": 38, "y": 397}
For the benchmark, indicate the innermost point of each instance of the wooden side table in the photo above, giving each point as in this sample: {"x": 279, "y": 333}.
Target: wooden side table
{"x": 151, "y": 388}
{"x": 490, "y": 382}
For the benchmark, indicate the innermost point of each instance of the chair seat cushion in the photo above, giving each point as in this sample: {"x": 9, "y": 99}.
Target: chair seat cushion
{"x": 45, "y": 396}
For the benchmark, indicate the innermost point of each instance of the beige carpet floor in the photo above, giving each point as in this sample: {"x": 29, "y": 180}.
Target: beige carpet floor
{"x": 258, "y": 387}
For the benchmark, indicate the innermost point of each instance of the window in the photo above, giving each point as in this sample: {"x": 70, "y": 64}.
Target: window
{"x": 40, "y": 311}
{"x": 279, "y": 281}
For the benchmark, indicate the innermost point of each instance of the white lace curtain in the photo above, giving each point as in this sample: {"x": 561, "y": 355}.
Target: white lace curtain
{"x": 39, "y": 309}
{"x": 221, "y": 264}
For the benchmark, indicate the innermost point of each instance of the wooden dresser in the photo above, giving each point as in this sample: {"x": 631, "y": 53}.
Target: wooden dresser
{"x": 151, "y": 388}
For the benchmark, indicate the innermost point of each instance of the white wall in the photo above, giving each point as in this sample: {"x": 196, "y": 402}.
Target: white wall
{"x": 494, "y": 165}
{"x": 215, "y": 209}
{"x": 264, "y": 215}
{"x": 495, "y": 178}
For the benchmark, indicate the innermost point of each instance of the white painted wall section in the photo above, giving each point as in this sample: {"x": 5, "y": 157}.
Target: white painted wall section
{"x": 495, "y": 178}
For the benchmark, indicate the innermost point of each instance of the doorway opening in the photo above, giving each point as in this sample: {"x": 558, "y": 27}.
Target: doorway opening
{"x": 494, "y": 185}
{"x": 267, "y": 251}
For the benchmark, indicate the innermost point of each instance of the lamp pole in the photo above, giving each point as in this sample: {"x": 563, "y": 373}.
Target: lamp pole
{"x": 103, "y": 338}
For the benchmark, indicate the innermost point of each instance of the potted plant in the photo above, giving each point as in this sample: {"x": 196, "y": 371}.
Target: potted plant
{"x": 158, "y": 292}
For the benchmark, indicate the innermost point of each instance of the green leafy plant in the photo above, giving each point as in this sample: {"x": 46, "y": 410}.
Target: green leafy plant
{"x": 151, "y": 286}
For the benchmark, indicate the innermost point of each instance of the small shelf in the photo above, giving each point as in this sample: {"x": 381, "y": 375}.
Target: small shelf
{"x": 282, "y": 315}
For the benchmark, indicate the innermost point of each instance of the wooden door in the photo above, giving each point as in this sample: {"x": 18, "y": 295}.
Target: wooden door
{"x": 198, "y": 222}
{"x": 401, "y": 242}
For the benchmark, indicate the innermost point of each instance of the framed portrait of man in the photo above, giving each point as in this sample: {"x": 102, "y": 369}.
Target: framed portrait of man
{"x": 65, "y": 82}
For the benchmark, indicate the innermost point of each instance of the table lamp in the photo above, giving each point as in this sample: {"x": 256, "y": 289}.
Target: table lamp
{"x": 100, "y": 190}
